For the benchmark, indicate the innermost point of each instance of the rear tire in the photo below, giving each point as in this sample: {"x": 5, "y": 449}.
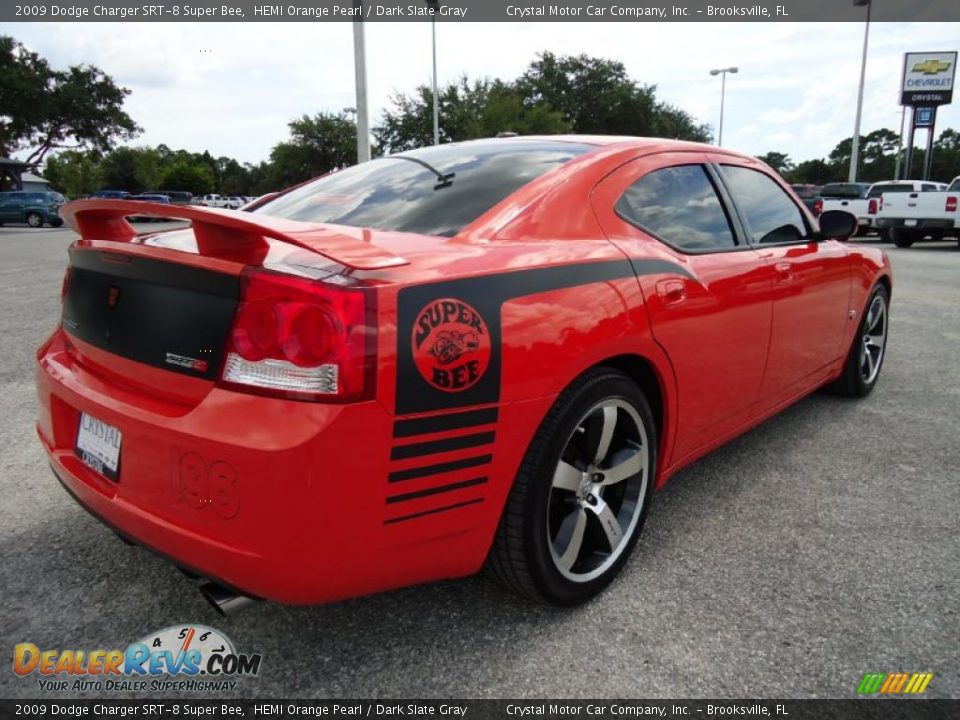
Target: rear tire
{"x": 865, "y": 359}
{"x": 903, "y": 238}
{"x": 34, "y": 220}
{"x": 571, "y": 521}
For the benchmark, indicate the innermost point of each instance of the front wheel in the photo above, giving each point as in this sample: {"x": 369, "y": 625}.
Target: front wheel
{"x": 580, "y": 499}
{"x": 862, "y": 368}
{"x": 34, "y": 220}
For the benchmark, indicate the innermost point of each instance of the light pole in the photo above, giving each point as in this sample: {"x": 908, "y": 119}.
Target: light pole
{"x": 360, "y": 75}
{"x": 855, "y": 143}
{"x": 722, "y": 72}
{"x": 434, "y": 6}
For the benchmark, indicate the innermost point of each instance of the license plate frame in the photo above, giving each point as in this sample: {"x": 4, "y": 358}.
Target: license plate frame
{"x": 98, "y": 446}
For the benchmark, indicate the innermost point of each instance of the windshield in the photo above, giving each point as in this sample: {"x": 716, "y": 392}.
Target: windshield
{"x": 392, "y": 194}
{"x": 954, "y": 186}
{"x": 844, "y": 190}
{"x": 878, "y": 190}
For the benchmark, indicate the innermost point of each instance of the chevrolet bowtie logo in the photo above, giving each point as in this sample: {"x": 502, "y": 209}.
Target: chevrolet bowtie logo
{"x": 931, "y": 67}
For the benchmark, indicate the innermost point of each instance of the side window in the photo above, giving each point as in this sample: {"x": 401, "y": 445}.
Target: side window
{"x": 770, "y": 215}
{"x": 928, "y": 187}
{"x": 680, "y": 206}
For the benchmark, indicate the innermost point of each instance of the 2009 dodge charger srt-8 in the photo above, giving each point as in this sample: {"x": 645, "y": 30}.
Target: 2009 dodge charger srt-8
{"x": 486, "y": 353}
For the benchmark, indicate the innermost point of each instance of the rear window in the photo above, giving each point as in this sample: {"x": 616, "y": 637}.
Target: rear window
{"x": 843, "y": 190}
{"x": 878, "y": 190}
{"x": 390, "y": 193}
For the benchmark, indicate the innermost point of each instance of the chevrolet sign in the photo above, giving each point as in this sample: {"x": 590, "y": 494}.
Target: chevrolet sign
{"x": 928, "y": 78}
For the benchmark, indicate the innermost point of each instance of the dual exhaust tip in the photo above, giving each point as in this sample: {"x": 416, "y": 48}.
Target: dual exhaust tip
{"x": 224, "y": 600}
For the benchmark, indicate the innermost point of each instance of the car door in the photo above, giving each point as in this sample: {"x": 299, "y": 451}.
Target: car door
{"x": 711, "y": 313}
{"x": 9, "y": 207}
{"x": 811, "y": 289}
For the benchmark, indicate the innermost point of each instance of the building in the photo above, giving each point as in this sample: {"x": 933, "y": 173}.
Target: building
{"x": 34, "y": 183}
{"x": 11, "y": 172}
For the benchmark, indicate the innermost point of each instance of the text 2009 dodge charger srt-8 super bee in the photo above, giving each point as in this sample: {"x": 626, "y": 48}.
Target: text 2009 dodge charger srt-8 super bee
{"x": 486, "y": 353}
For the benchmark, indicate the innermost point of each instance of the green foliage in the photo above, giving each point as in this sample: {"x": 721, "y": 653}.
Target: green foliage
{"x": 43, "y": 109}
{"x": 780, "y": 162}
{"x": 317, "y": 145}
{"x": 878, "y": 160}
{"x": 194, "y": 177}
{"x": 75, "y": 174}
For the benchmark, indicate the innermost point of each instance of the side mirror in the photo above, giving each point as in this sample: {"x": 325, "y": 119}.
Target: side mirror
{"x": 837, "y": 225}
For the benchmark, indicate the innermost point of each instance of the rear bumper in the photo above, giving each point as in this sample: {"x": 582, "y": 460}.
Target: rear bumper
{"x": 281, "y": 500}
{"x": 919, "y": 223}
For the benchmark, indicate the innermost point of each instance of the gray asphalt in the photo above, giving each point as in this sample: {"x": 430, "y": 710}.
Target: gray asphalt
{"x": 820, "y": 546}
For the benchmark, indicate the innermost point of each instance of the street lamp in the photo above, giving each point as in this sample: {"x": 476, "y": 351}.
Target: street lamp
{"x": 722, "y": 72}
{"x": 360, "y": 76}
{"x": 434, "y": 6}
{"x": 855, "y": 143}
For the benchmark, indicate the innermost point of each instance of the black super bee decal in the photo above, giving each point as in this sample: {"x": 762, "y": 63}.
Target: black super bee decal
{"x": 450, "y": 345}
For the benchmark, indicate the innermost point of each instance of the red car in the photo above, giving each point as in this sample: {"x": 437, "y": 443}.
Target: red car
{"x": 485, "y": 353}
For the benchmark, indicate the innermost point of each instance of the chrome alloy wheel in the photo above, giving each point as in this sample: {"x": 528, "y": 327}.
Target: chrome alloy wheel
{"x": 598, "y": 490}
{"x": 874, "y": 340}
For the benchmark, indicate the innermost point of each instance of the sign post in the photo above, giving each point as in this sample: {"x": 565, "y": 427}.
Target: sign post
{"x": 927, "y": 83}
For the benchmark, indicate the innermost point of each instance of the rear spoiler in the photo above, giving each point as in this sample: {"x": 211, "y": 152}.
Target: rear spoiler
{"x": 231, "y": 234}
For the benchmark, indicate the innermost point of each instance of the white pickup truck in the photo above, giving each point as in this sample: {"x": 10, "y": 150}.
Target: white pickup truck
{"x": 220, "y": 201}
{"x": 851, "y": 197}
{"x": 925, "y": 212}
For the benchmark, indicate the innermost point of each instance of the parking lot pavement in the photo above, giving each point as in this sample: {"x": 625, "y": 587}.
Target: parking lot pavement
{"x": 818, "y": 547}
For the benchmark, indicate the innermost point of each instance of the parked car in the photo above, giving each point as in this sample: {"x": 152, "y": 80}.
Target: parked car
{"x": 156, "y": 198}
{"x": 214, "y": 200}
{"x": 884, "y": 224}
{"x": 32, "y": 208}
{"x": 808, "y": 194}
{"x": 916, "y": 215}
{"x": 111, "y": 194}
{"x": 177, "y": 197}
{"x": 491, "y": 355}
{"x": 851, "y": 197}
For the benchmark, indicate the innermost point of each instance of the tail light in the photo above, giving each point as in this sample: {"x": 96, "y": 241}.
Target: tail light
{"x": 301, "y": 339}
{"x": 817, "y": 207}
{"x": 951, "y": 203}
{"x": 872, "y": 207}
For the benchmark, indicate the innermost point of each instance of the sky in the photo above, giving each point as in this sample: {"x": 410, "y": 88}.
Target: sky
{"x": 231, "y": 88}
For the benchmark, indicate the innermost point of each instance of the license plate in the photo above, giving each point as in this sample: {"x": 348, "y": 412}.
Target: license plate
{"x": 98, "y": 446}
{"x": 909, "y": 223}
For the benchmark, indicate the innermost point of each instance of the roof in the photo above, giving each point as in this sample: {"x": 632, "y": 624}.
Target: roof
{"x": 32, "y": 177}
{"x": 7, "y": 162}
{"x": 653, "y": 144}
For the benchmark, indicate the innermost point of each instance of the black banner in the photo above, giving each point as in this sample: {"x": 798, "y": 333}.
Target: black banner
{"x": 630, "y": 11}
{"x": 862, "y": 709}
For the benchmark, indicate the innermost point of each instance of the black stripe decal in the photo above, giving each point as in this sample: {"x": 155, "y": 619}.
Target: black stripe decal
{"x": 436, "y": 490}
{"x": 440, "y": 423}
{"x": 428, "y": 470}
{"x": 390, "y": 521}
{"x": 487, "y": 294}
{"x": 402, "y": 452}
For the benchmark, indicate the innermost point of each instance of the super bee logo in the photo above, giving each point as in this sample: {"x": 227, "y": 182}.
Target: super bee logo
{"x": 451, "y": 345}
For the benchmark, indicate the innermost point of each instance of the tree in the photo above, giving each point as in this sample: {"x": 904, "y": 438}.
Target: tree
{"x": 44, "y": 109}
{"x": 596, "y": 96}
{"x": 75, "y": 174}
{"x": 317, "y": 145}
{"x": 193, "y": 176}
{"x": 467, "y": 110}
{"x": 119, "y": 171}
{"x": 780, "y": 162}
{"x": 813, "y": 172}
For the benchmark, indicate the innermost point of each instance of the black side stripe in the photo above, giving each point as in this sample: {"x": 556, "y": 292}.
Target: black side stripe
{"x": 402, "y": 452}
{"x": 390, "y": 521}
{"x": 436, "y": 490}
{"x": 428, "y": 470}
{"x": 439, "y": 423}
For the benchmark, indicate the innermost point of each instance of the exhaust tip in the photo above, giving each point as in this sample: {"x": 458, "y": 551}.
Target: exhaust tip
{"x": 223, "y": 600}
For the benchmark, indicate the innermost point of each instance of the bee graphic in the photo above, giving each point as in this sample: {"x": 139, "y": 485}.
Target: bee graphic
{"x": 450, "y": 345}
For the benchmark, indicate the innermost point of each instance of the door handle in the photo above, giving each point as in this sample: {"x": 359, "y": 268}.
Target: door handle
{"x": 671, "y": 292}
{"x": 784, "y": 271}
